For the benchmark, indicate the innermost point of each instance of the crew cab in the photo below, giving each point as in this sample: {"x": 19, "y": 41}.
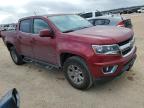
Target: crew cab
{"x": 84, "y": 52}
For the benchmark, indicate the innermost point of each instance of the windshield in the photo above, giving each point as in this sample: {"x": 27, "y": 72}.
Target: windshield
{"x": 68, "y": 23}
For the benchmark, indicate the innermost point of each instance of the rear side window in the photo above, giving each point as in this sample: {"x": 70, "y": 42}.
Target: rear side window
{"x": 39, "y": 25}
{"x": 86, "y": 15}
{"x": 101, "y": 22}
{"x": 98, "y": 14}
{"x": 25, "y": 26}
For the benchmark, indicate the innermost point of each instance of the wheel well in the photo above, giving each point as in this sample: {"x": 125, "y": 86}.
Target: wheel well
{"x": 65, "y": 56}
{"x": 9, "y": 45}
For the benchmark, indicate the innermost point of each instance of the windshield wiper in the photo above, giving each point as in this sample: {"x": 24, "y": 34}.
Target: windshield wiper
{"x": 79, "y": 28}
{"x": 68, "y": 31}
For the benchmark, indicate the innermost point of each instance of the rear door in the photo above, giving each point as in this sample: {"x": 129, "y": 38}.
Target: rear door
{"x": 25, "y": 38}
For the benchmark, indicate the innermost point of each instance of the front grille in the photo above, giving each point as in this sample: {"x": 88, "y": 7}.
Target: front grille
{"x": 125, "y": 42}
{"x": 126, "y": 46}
{"x": 126, "y": 51}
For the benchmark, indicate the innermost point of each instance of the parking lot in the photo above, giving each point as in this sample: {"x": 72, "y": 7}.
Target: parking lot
{"x": 44, "y": 88}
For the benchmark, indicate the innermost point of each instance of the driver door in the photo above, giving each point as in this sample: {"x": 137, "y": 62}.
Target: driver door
{"x": 44, "y": 48}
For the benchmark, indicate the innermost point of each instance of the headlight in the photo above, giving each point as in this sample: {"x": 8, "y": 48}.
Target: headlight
{"x": 106, "y": 49}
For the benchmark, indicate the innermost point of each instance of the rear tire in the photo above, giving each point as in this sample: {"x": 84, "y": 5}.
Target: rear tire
{"x": 17, "y": 59}
{"x": 77, "y": 73}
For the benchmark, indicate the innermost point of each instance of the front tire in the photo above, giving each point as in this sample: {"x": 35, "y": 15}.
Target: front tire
{"x": 77, "y": 73}
{"x": 17, "y": 59}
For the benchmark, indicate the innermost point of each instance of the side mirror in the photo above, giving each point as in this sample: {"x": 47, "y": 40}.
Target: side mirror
{"x": 10, "y": 100}
{"x": 45, "y": 33}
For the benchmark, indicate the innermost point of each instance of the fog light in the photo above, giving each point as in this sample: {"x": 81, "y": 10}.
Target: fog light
{"x": 110, "y": 69}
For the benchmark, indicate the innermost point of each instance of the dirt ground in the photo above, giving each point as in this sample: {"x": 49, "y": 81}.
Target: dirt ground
{"x": 43, "y": 88}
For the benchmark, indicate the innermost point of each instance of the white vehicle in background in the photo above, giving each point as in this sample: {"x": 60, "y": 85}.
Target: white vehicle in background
{"x": 8, "y": 27}
{"x": 141, "y": 10}
{"x": 11, "y": 27}
{"x": 90, "y": 15}
{"x": 1, "y": 27}
{"x": 98, "y": 18}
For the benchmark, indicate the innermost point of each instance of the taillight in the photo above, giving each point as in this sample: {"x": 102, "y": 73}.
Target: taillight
{"x": 121, "y": 24}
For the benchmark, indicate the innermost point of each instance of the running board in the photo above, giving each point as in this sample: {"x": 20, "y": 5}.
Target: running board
{"x": 45, "y": 64}
{"x": 27, "y": 60}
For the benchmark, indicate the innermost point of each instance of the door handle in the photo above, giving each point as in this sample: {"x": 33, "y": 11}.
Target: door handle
{"x": 19, "y": 37}
{"x": 32, "y": 40}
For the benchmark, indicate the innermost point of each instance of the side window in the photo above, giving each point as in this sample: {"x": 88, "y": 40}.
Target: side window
{"x": 86, "y": 15}
{"x": 25, "y": 26}
{"x": 101, "y": 22}
{"x": 39, "y": 25}
{"x": 98, "y": 14}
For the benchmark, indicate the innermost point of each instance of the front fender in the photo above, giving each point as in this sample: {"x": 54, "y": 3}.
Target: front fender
{"x": 80, "y": 49}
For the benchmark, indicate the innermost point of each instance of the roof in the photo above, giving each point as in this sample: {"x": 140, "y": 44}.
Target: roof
{"x": 48, "y": 15}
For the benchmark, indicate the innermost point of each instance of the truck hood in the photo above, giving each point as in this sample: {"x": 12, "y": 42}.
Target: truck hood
{"x": 102, "y": 34}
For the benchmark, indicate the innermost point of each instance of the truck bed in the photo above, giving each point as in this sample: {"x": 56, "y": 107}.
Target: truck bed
{"x": 8, "y": 36}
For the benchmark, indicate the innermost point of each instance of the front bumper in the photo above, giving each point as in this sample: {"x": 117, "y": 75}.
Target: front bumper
{"x": 98, "y": 63}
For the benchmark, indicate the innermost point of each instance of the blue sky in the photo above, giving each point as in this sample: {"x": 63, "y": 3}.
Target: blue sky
{"x": 12, "y": 10}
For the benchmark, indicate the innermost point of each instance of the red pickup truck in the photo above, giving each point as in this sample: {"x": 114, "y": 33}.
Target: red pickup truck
{"x": 84, "y": 52}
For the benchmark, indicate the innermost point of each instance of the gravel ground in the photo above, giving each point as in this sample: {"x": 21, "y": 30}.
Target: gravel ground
{"x": 43, "y": 88}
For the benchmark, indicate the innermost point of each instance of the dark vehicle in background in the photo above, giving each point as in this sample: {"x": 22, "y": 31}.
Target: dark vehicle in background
{"x": 10, "y": 100}
{"x": 97, "y": 18}
{"x": 130, "y": 10}
{"x": 127, "y": 11}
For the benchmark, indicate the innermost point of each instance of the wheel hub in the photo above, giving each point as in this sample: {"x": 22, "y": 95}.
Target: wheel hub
{"x": 75, "y": 74}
